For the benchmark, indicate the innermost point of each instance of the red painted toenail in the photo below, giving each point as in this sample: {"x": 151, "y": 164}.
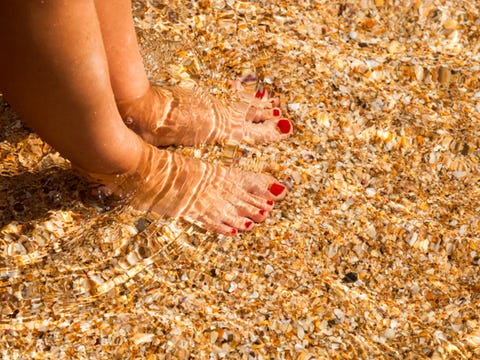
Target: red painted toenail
{"x": 248, "y": 224}
{"x": 270, "y": 202}
{"x": 276, "y": 112}
{"x": 233, "y": 232}
{"x": 262, "y": 212}
{"x": 276, "y": 189}
{"x": 260, "y": 93}
{"x": 284, "y": 126}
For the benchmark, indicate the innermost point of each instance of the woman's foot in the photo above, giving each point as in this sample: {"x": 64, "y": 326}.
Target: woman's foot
{"x": 224, "y": 200}
{"x": 176, "y": 116}
{"x": 184, "y": 116}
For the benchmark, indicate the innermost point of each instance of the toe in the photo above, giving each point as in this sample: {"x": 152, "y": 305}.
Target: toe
{"x": 274, "y": 191}
{"x": 238, "y": 222}
{"x": 261, "y": 93}
{"x": 278, "y": 190}
{"x": 252, "y": 212}
{"x": 259, "y": 96}
{"x": 253, "y": 189}
{"x": 213, "y": 225}
{"x": 263, "y": 100}
{"x": 263, "y": 190}
{"x": 268, "y": 131}
{"x": 255, "y": 114}
{"x": 263, "y": 202}
{"x": 275, "y": 102}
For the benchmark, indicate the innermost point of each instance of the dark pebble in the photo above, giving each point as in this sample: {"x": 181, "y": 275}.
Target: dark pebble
{"x": 351, "y": 277}
{"x": 142, "y": 223}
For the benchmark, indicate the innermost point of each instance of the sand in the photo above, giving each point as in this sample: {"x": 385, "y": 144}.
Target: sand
{"x": 373, "y": 255}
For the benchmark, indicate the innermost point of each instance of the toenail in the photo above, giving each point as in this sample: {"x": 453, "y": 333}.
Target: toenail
{"x": 284, "y": 126}
{"x": 262, "y": 212}
{"x": 276, "y": 112}
{"x": 248, "y": 224}
{"x": 233, "y": 232}
{"x": 260, "y": 93}
{"x": 276, "y": 189}
{"x": 270, "y": 202}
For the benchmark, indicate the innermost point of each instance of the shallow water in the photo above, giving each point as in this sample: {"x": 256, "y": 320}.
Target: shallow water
{"x": 375, "y": 253}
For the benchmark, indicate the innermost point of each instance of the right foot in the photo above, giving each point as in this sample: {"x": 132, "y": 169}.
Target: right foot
{"x": 224, "y": 200}
{"x": 183, "y": 116}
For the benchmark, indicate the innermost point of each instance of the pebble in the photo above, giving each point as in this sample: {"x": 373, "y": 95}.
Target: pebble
{"x": 269, "y": 269}
{"x": 389, "y": 334}
{"x": 384, "y": 152}
{"x": 370, "y": 192}
{"x": 350, "y": 277}
{"x": 294, "y": 106}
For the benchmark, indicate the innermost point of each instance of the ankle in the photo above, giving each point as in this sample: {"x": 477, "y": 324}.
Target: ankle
{"x": 120, "y": 156}
{"x": 145, "y": 113}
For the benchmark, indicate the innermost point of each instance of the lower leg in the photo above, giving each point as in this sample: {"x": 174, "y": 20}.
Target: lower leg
{"x": 53, "y": 69}
{"x": 127, "y": 74}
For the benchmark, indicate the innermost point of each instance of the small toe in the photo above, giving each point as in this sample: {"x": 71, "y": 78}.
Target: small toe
{"x": 218, "y": 227}
{"x": 255, "y": 114}
{"x": 275, "y": 102}
{"x": 265, "y": 101}
{"x": 261, "y": 198}
{"x": 260, "y": 97}
{"x": 238, "y": 222}
{"x": 253, "y": 190}
{"x": 252, "y": 212}
{"x": 261, "y": 93}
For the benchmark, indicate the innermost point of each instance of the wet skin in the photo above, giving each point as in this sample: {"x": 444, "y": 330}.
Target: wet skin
{"x": 63, "y": 70}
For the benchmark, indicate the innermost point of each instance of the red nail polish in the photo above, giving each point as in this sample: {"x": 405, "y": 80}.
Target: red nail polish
{"x": 270, "y": 202}
{"x": 276, "y": 112}
{"x": 272, "y": 101}
{"x": 276, "y": 189}
{"x": 248, "y": 224}
{"x": 233, "y": 232}
{"x": 260, "y": 93}
{"x": 284, "y": 126}
{"x": 262, "y": 212}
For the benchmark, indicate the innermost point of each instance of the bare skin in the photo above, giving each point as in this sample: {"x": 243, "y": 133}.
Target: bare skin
{"x": 224, "y": 200}
{"x": 54, "y": 69}
{"x": 171, "y": 116}
{"x": 174, "y": 116}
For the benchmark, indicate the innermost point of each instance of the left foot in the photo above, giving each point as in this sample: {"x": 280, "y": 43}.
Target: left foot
{"x": 223, "y": 200}
{"x": 182, "y": 116}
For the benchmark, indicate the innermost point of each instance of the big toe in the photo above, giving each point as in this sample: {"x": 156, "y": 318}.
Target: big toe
{"x": 268, "y": 131}
{"x": 265, "y": 189}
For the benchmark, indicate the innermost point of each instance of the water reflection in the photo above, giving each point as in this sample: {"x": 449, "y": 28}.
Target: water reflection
{"x": 71, "y": 259}
{"x": 106, "y": 262}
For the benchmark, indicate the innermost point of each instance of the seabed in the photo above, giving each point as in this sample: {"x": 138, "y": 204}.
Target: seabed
{"x": 375, "y": 253}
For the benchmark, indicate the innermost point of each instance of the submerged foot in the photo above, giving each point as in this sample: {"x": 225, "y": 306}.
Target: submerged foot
{"x": 224, "y": 200}
{"x": 184, "y": 116}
